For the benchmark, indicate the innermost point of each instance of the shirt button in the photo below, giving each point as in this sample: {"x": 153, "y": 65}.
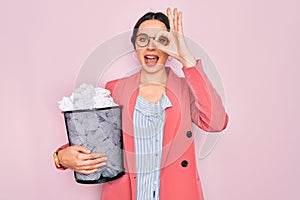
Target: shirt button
{"x": 184, "y": 163}
{"x": 189, "y": 134}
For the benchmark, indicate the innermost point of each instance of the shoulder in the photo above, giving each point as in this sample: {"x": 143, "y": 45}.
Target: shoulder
{"x": 174, "y": 79}
{"x": 111, "y": 85}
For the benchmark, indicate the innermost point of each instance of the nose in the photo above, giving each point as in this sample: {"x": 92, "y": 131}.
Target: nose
{"x": 151, "y": 44}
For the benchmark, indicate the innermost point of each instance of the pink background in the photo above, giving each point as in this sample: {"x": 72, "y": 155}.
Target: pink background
{"x": 255, "y": 45}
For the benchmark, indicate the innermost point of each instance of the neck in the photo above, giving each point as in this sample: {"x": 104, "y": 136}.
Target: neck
{"x": 159, "y": 77}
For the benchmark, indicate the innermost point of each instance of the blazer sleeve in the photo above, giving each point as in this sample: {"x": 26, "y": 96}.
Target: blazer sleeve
{"x": 111, "y": 86}
{"x": 207, "y": 110}
{"x": 60, "y": 148}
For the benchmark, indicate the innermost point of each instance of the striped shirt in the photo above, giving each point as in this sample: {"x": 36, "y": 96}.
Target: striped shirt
{"x": 148, "y": 123}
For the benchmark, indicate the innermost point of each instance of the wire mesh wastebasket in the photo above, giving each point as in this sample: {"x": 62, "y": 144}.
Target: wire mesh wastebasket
{"x": 100, "y": 130}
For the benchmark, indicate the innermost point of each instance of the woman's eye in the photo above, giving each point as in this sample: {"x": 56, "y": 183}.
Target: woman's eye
{"x": 163, "y": 40}
{"x": 143, "y": 39}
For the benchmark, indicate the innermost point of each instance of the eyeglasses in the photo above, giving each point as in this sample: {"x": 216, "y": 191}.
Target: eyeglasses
{"x": 142, "y": 40}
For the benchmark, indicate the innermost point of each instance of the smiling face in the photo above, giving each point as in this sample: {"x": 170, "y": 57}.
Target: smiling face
{"x": 151, "y": 58}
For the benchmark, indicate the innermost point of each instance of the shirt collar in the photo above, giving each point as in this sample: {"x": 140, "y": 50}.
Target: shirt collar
{"x": 150, "y": 109}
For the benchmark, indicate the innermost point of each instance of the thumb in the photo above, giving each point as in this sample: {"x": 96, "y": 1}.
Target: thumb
{"x": 170, "y": 49}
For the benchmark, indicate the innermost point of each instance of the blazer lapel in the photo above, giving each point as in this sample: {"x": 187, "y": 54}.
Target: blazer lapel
{"x": 125, "y": 94}
{"x": 173, "y": 114}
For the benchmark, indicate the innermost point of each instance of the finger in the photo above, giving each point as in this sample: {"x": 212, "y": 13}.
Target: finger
{"x": 92, "y": 166}
{"x": 162, "y": 33}
{"x": 175, "y": 19}
{"x": 81, "y": 149}
{"x": 170, "y": 49}
{"x": 97, "y": 155}
{"x": 93, "y": 156}
{"x": 170, "y": 18}
{"x": 95, "y": 161}
{"x": 86, "y": 172}
{"x": 180, "y": 30}
{"x": 157, "y": 45}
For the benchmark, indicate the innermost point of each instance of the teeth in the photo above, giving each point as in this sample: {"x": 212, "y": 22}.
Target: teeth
{"x": 151, "y": 57}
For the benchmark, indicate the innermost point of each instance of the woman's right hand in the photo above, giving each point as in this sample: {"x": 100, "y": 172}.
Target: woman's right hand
{"x": 81, "y": 160}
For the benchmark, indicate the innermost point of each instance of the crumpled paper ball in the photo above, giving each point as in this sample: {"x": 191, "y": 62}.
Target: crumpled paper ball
{"x": 87, "y": 96}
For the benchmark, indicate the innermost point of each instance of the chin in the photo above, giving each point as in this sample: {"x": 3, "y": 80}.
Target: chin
{"x": 153, "y": 69}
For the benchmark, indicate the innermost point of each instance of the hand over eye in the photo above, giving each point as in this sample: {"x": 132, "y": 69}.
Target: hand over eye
{"x": 176, "y": 46}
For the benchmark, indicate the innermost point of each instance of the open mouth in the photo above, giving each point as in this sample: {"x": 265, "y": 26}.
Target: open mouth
{"x": 151, "y": 60}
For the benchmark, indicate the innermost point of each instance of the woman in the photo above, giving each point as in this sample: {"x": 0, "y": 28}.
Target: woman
{"x": 158, "y": 111}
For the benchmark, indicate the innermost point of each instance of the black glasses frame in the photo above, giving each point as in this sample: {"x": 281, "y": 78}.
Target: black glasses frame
{"x": 148, "y": 40}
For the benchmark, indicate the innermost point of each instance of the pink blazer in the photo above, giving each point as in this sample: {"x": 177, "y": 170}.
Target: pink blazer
{"x": 193, "y": 99}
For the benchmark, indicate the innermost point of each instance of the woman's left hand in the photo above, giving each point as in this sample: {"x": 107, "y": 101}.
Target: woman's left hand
{"x": 177, "y": 47}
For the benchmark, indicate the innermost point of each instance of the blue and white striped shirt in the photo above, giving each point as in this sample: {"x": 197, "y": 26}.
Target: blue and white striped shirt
{"x": 148, "y": 124}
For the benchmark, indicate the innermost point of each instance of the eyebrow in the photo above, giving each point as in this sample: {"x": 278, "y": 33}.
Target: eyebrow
{"x": 150, "y": 30}
{"x": 145, "y": 34}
